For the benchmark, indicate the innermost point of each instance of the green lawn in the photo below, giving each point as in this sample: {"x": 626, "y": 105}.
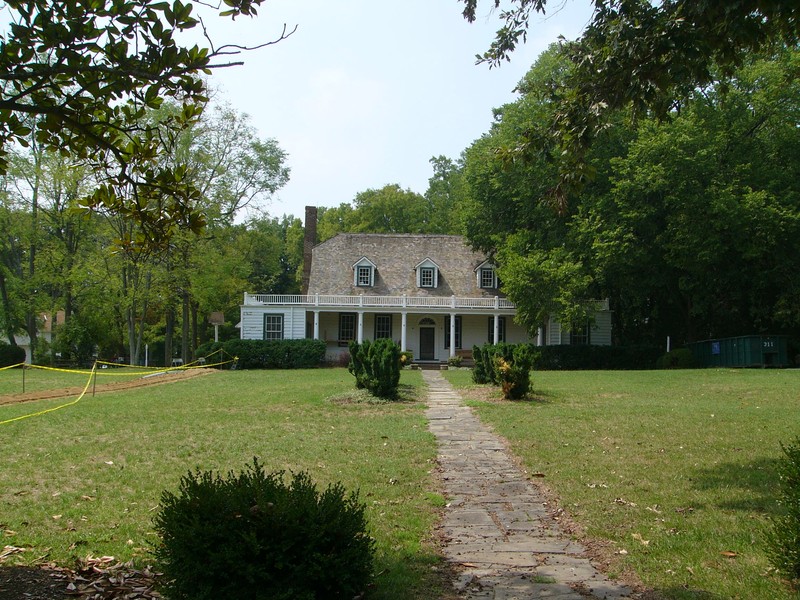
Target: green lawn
{"x": 86, "y": 480}
{"x": 675, "y": 468}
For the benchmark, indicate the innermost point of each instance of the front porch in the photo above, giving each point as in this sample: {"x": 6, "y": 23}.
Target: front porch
{"x": 424, "y": 325}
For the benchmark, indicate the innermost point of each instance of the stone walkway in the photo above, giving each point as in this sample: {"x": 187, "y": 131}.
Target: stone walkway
{"x": 497, "y": 528}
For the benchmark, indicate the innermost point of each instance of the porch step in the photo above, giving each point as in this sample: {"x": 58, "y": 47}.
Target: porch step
{"x": 429, "y": 365}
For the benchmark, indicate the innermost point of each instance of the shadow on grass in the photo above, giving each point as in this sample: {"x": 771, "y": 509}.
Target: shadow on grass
{"x": 753, "y": 485}
{"x": 408, "y": 394}
{"x": 683, "y": 593}
{"x": 420, "y": 576}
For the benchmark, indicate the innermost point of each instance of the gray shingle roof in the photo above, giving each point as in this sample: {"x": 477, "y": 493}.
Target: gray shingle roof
{"x": 395, "y": 256}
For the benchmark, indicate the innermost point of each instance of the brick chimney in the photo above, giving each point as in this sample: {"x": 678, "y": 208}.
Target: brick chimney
{"x": 309, "y": 241}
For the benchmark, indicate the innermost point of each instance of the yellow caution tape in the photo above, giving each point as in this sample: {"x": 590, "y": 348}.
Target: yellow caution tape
{"x": 22, "y": 364}
{"x": 42, "y": 412}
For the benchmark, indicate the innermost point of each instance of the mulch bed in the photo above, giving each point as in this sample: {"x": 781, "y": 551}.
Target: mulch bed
{"x": 92, "y": 579}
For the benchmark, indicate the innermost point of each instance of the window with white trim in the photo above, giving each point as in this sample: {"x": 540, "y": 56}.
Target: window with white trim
{"x": 488, "y": 278}
{"x": 501, "y": 330}
{"x": 347, "y": 328}
{"x": 364, "y": 276}
{"x": 579, "y": 335}
{"x": 273, "y": 327}
{"x": 426, "y": 276}
{"x": 447, "y": 332}
{"x": 383, "y": 326}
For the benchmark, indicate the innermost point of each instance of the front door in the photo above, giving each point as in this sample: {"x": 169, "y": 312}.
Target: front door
{"x": 427, "y": 343}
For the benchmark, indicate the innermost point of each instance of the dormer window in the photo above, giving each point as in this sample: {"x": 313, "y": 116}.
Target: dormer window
{"x": 487, "y": 277}
{"x": 427, "y": 274}
{"x": 364, "y": 273}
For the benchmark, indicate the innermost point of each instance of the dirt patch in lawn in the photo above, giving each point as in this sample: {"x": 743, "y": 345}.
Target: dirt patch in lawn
{"x": 71, "y": 392}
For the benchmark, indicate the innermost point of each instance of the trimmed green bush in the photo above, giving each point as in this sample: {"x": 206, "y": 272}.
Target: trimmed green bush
{"x": 11, "y": 355}
{"x": 514, "y": 375}
{"x": 358, "y": 363}
{"x": 479, "y": 371}
{"x": 784, "y": 538}
{"x": 680, "y": 358}
{"x": 406, "y": 358}
{"x": 376, "y": 366}
{"x": 252, "y": 536}
{"x": 270, "y": 354}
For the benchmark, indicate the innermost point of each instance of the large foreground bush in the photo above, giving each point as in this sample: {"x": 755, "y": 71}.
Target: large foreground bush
{"x": 252, "y": 536}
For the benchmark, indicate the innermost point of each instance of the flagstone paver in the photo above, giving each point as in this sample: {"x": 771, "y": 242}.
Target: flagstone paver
{"x": 498, "y": 530}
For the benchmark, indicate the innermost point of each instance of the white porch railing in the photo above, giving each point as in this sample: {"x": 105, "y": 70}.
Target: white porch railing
{"x": 324, "y": 300}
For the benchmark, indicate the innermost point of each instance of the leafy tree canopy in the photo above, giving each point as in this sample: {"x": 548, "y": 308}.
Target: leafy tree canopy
{"x": 642, "y": 54}
{"x": 81, "y": 76}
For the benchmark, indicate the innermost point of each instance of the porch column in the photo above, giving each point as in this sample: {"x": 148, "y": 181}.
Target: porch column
{"x": 316, "y": 324}
{"x": 452, "y": 335}
{"x": 403, "y": 328}
{"x": 540, "y": 336}
{"x": 496, "y": 328}
{"x": 360, "y": 327}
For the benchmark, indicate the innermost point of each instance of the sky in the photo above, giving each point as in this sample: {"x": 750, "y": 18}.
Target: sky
{"x": 366, "y": 92}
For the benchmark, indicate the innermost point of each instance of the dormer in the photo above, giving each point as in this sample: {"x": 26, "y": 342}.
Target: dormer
{"x": 427, "y": 274}
{"x": 486, "y": 276}
{"x": 364, "y": 272}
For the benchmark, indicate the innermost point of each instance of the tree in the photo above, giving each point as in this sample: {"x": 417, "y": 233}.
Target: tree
{"x": 388, "y": 210}
{"x": 444, "y": 197}
{"x": 690, "y": 225}
{"x": 641, "y": 54}
{"x": 82, "y": 75}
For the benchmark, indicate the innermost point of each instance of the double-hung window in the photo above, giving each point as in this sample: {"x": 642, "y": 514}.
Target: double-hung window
{"x": 426, "y": 277}
{"x": 427, "y": 274}
{"x": 273, "y": 327}
{"x": 364, "y": 277}
{"x": 579, "y": 335}
{"x": 364, "y": 273}
{"x": 488, "y": 278}
{"x": 383, "y": 326}
{"x": 347, "y": 328}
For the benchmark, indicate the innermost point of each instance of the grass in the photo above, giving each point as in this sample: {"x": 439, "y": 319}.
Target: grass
{"x": 675, "y": 468}
{"x": 34, "y": 379}
{"x": 86, "y": 480}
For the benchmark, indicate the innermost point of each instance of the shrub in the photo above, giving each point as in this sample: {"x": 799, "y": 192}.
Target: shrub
{"x": 784, "y": 538}
{"x": 455, "y": 361}
{"x": 575, "y": 357}
{"x": 680, "y": 358}
{"x": 512, "y": 365}
{"x": 358, "y": 362}
{"x": 252, "y": 536}
{"x": 11, "y": 355}
{"x": 376, "y": 366}
{"x": 276, "y": 354}
{"x": 479, "y": 370}
{"x": 406, "y": 358}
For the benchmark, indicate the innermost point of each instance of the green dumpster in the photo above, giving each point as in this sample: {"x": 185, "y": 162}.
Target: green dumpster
{"x": 743, "y": 351}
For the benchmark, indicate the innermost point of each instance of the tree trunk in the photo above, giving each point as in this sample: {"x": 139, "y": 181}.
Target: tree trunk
{"x": 185, "y": 328}
{"x": 169, "y": 327}
{"x": 194, "y": 329}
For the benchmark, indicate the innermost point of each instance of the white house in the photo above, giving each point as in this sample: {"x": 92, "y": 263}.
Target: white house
{"x": 430, "y": 293}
